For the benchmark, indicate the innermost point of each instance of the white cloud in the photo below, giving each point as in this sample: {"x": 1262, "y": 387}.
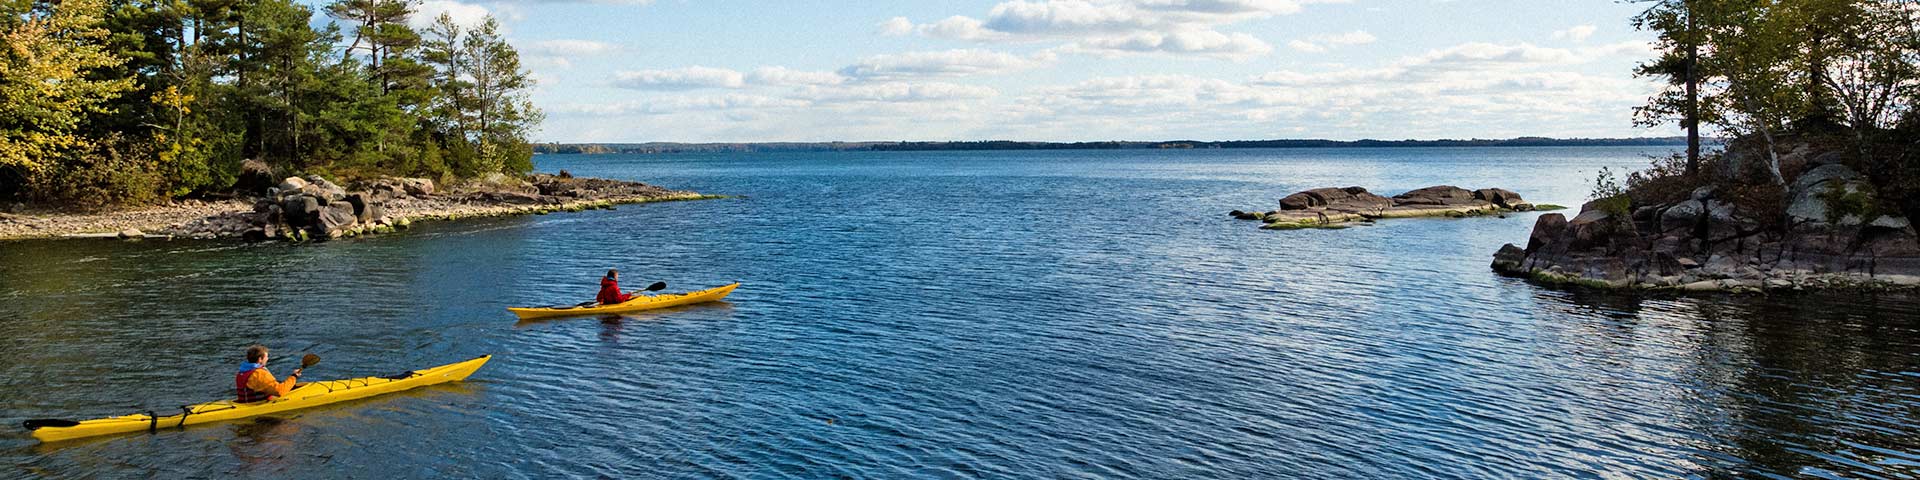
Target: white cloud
{"x": 896, "y": 26}
{"x": 785, "y": 76}
{"x": 897, "y": 93}
{"x": 562, "y": 52}
{"x": 463, "y": 14}
{"x": 1478, "y": 53}
{"x": 567, "y": 47}
{"x": 1578, "y": 33}
{"x": 950, "y": 63}
{"x": 1322, "y": 43}
{"x": 678, "y": 104}
{"x": 1236, "y": 46}
{"x": 689, "y": 78}
{"x": 1110, "y": 27}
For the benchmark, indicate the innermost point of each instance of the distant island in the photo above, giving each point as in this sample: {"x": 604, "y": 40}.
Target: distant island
{"x": 670, "y": 147}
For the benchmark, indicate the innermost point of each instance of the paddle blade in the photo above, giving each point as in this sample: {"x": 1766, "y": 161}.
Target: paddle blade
{"x": 657, "y": 286}
{"x": 309, "y": 360}
{"x": 39, "y": 423}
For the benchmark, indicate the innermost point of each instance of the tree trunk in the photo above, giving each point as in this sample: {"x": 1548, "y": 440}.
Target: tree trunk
{"x": 1693, "y": 99}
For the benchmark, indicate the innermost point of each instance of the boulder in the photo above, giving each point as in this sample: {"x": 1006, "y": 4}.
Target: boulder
{"x": 1810, "y": 206}
{"x": 292, "y": 184}
{"x": 1354, "y": 199}
{"x": 374, "y": 214}
{"x": 1502, "y": 198}
{"x": 300, "y": 210}
{"x": 1823, "y": 174}
{"x": 1545, "y": 229}
{"x": 1890, "y": 222}
{"x": 1682, "y": 216}
{"x": 256, "y": 177}
{"x": 359, "y": 204}
{"x": 320, "y": 187}
{"x": 1444, "y": 195}
{"x": 416, "y": 186}
{"x": 333, "y": 221}
{"x": 132, "y": 233}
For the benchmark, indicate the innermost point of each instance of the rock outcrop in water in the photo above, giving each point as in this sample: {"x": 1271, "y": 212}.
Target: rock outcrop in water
{"x": 1827, "y": 229}
{"x": 1338, "y": 207}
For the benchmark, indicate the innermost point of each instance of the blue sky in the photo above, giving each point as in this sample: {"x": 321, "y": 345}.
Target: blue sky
{"x": 1074, "y": 70}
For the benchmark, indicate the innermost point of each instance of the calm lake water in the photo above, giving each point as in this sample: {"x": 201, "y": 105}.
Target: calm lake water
{"x": 959, "y": 315}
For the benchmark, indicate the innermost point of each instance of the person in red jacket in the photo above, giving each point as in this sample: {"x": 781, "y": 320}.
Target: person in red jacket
{"x": 610, "y": 293}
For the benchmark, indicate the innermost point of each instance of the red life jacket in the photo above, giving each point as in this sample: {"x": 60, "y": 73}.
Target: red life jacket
{"x": 248, "y": 394}
{"x": 610, "y": 292}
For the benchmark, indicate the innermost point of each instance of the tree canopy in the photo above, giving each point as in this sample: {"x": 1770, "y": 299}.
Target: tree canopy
{"x": 107, "y": 102}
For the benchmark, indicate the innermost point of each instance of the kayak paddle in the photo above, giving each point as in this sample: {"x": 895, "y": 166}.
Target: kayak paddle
{"x": 39, "y": 423}
{"x": 655, "y": 287}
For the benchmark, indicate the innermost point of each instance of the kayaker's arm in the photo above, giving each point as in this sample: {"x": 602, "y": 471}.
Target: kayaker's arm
{"x": 263, "y": 381}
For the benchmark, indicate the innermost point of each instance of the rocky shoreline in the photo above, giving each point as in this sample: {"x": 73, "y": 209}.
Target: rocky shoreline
{"x": 1333, "y": 208}
{"x": 313, "y": 208}
{"x": 1828, "y": 231}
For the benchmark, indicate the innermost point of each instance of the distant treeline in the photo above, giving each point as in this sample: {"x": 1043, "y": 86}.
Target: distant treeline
{"x": 594, "y": 148}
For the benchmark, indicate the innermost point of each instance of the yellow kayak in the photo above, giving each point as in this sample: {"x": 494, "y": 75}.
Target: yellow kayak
{"x": 304, "y": 395}
{"x": 649, "y": 302}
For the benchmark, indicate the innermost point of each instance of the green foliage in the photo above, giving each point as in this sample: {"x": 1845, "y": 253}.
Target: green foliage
{"x": 1611, "y": 194}
{"x": 1843, "y": 202}
{"x": 140, "y": 100}
{"x": 46, "y": 92}
{"x": 112, "y": 173}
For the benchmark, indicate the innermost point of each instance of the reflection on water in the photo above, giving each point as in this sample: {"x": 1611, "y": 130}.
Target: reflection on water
{"x": 984, "y": 314}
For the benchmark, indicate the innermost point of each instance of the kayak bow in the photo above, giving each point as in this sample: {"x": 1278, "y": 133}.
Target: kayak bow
{"x": 304, "y": 395}
{"x": 650, "y": 302}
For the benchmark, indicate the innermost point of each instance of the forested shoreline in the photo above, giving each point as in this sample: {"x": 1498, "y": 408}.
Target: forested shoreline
{"x": 107, "y": 103}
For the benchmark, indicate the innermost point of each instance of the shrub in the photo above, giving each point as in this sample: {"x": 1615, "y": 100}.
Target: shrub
{"x": 114, "y": 172}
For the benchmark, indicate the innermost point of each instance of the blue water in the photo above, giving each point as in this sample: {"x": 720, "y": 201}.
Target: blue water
{"x": 965, "y": 315}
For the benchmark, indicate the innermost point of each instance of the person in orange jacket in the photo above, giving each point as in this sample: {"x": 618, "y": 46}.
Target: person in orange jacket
{"x": 610, "y": 293}
{"x": 255, "y": 384}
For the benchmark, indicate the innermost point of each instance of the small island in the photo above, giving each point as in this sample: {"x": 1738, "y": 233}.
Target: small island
{"x": 1791, "y": 214}
{"x": 1334, "y": 208}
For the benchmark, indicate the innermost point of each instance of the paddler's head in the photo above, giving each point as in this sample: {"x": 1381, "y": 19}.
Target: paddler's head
{"x": 257, "y": 354}
{"x": 613, "y": 274}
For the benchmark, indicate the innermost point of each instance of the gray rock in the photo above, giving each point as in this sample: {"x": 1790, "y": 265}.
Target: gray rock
{"x": 300, "y": 210}
{"x": 1502, "y": 198}
{"x": 1435, "y": 195}
{"x": 1590, "y": 216}
{"x": 359, "y": 204}
{"x": 1347, "y": 199}
{"x": 132, "y": 233}
{"x": 320, "y": 187}
{"x": 1809, "y": 206}
{"x": 1891, "y": 223}
{"x": 333, "y": 221}
{"x": 292, "y": 184}
{"x": 1825, "y": 173}
{"x": 416, "y": 186}
{"x": 1704, "y": 193}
